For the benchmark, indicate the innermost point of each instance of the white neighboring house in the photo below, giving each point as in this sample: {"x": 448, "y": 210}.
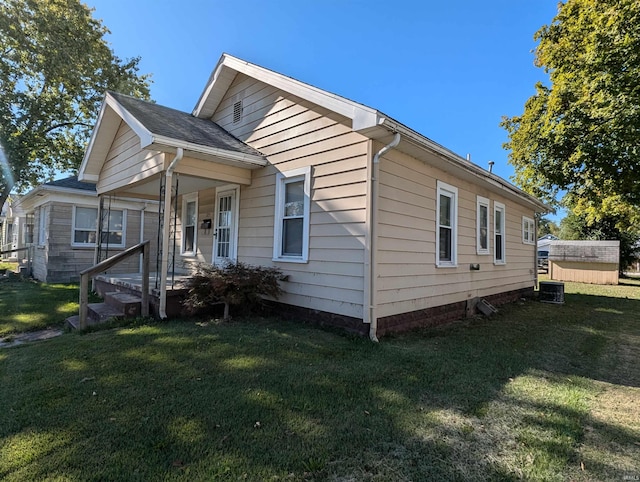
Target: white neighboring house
{"x": 62, "y": 216}
{"x": 15, "y": 229}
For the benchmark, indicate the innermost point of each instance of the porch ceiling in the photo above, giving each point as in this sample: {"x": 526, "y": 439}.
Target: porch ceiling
{"x": 150, "y": 187}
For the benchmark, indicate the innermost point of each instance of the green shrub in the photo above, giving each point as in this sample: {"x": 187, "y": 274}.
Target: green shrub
{"x": 234, "y": 284}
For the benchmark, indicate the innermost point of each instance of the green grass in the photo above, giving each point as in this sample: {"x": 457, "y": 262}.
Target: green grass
{"x": 5, "y": 265}
{"x": 26, "y": 305}
{"x": 537, "y": 392}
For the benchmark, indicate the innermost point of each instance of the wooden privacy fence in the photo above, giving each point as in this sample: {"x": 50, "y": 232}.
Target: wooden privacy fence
{"x": 88, "y": 273}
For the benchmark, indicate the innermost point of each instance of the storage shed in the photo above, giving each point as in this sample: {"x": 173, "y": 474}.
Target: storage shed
{"x": 596, "y": 262}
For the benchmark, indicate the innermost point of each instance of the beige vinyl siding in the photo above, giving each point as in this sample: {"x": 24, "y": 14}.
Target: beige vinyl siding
{"x": 293, "y": 134}
{"x": 126, "y": 164}
{"x": 408, "y": 278}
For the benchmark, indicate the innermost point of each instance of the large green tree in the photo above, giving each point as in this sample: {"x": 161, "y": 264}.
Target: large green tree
{"x": 580, "y": 135}
{"x": 55, "y": 66}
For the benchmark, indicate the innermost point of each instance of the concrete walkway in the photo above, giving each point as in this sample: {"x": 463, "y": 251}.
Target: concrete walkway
{"x": 22, "y": 338}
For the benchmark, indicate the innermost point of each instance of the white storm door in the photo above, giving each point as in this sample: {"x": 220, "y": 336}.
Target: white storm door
{"x": 225, "y": 230}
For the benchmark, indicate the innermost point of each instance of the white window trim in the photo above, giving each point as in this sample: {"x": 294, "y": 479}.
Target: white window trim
{"x": 452, "y": 192}
{"x": 92, "y": 245}
{"x": 43, "y": 220}
{"x": 303, "y": 173}
{"x": 483, "y": 201}
{"x": 500, "y": 207}
{"x": 530, "y": 231}
{"x": 188, "y": 198}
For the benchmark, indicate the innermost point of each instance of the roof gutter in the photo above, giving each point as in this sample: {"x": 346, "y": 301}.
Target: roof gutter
{"x": 373, "y": 221}
{"x": 254, "y": 160}
{"x": 162, "y": 309}
{"x": 461, "y": 163}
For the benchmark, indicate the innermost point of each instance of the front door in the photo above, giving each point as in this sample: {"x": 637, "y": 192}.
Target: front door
{"x": 224, "y": 233}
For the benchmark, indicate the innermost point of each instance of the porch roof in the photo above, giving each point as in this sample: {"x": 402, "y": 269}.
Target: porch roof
{"x": 165, "y": 129}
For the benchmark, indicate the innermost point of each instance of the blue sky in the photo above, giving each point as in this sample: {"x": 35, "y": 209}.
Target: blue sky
{"x": 449, "y": 70}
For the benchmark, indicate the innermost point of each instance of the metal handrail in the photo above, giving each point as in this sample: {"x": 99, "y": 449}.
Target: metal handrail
{"x": 87, "y": 274}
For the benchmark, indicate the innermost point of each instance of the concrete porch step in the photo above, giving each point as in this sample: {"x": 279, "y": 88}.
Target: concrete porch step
{"x": 97, "y": 313}
{"x": 127, "y": 304}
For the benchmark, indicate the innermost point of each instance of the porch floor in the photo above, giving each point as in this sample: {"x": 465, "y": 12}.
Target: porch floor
{"x": 133, "y": 281}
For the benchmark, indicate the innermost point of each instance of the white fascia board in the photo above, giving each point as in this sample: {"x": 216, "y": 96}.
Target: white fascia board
{"x": 89, "y": 177}
{"x": 94, "y": 134}
{"x": 120, "y": 111}
{"x": 254, "y": 161}
{"x": 465, "y": 165}
{"x": 362, "y": 116}
{"x": 141, "y": 131}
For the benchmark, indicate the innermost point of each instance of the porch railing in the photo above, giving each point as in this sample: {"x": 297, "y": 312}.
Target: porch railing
{"x": 88, "y": 273}
{"x": 29, "y": 250}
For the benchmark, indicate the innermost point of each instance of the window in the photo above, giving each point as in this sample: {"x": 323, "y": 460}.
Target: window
{"x": 291, "y": 233}
{"x": 499, "y": 233}
{"x": 85, "y": 224}
{"x": 189, "y": 220}
{"x": 482, "y": 228}
{"x": 528, "y": 230}
{"x": 42, "y": 226}
{"x": 28, "y": 229}
{"x": 447, "y": 225}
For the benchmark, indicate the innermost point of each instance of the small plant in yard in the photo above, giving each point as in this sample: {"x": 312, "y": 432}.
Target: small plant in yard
{"x": 234, "y": 284}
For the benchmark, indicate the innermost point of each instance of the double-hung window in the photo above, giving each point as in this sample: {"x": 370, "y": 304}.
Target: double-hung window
{"x": 43, "y": 219}
{"x": 528, "y": 230}
{"x": 291, "y": 231}
{"x": 499, "y": 255}
{"x": 85, "y": 227}
{"x": 482, "y": 225}
{"x": 446, "y": 225}
{"x": 189, "y": 220}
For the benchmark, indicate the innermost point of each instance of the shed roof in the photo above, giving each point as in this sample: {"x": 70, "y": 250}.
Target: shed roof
{"x": 585, "y": 251}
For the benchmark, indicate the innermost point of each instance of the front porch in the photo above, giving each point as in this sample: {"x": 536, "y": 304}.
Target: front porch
{"x": 131, "y": 283}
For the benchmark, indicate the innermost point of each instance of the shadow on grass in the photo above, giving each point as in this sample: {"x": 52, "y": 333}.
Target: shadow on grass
{"x": 505, "y": 398}
{"x": 28, "y": 305}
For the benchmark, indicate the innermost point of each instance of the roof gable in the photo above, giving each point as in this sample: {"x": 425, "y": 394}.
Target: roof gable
{"x": 228, "y": 67}
{"x": 365, "y": 120}
{"x": 160, "y": 128}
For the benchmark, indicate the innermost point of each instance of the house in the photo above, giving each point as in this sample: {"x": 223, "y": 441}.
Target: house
{"x": 378, "y": 228}
{"x": 62, "y": 217}
{"x": 15, "y": 229}
{"x": 543, "y": 250}
{"x": 596, "y": 262}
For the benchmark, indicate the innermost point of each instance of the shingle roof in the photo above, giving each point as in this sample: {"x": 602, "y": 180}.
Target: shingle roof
{"x": 174, "y": 124}
{"x": 72, "y": 183}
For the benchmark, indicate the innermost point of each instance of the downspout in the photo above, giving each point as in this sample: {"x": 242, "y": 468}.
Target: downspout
{"x": 166, "y": 220}
{"x": 373, "y": 221}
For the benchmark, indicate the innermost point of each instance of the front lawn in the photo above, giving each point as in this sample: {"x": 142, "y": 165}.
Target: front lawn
{"x": 537, "y": 392}
{"x": 26, "y": 305}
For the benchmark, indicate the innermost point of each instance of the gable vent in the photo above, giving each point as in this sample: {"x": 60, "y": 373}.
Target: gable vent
{"x": 237, "y": 112}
